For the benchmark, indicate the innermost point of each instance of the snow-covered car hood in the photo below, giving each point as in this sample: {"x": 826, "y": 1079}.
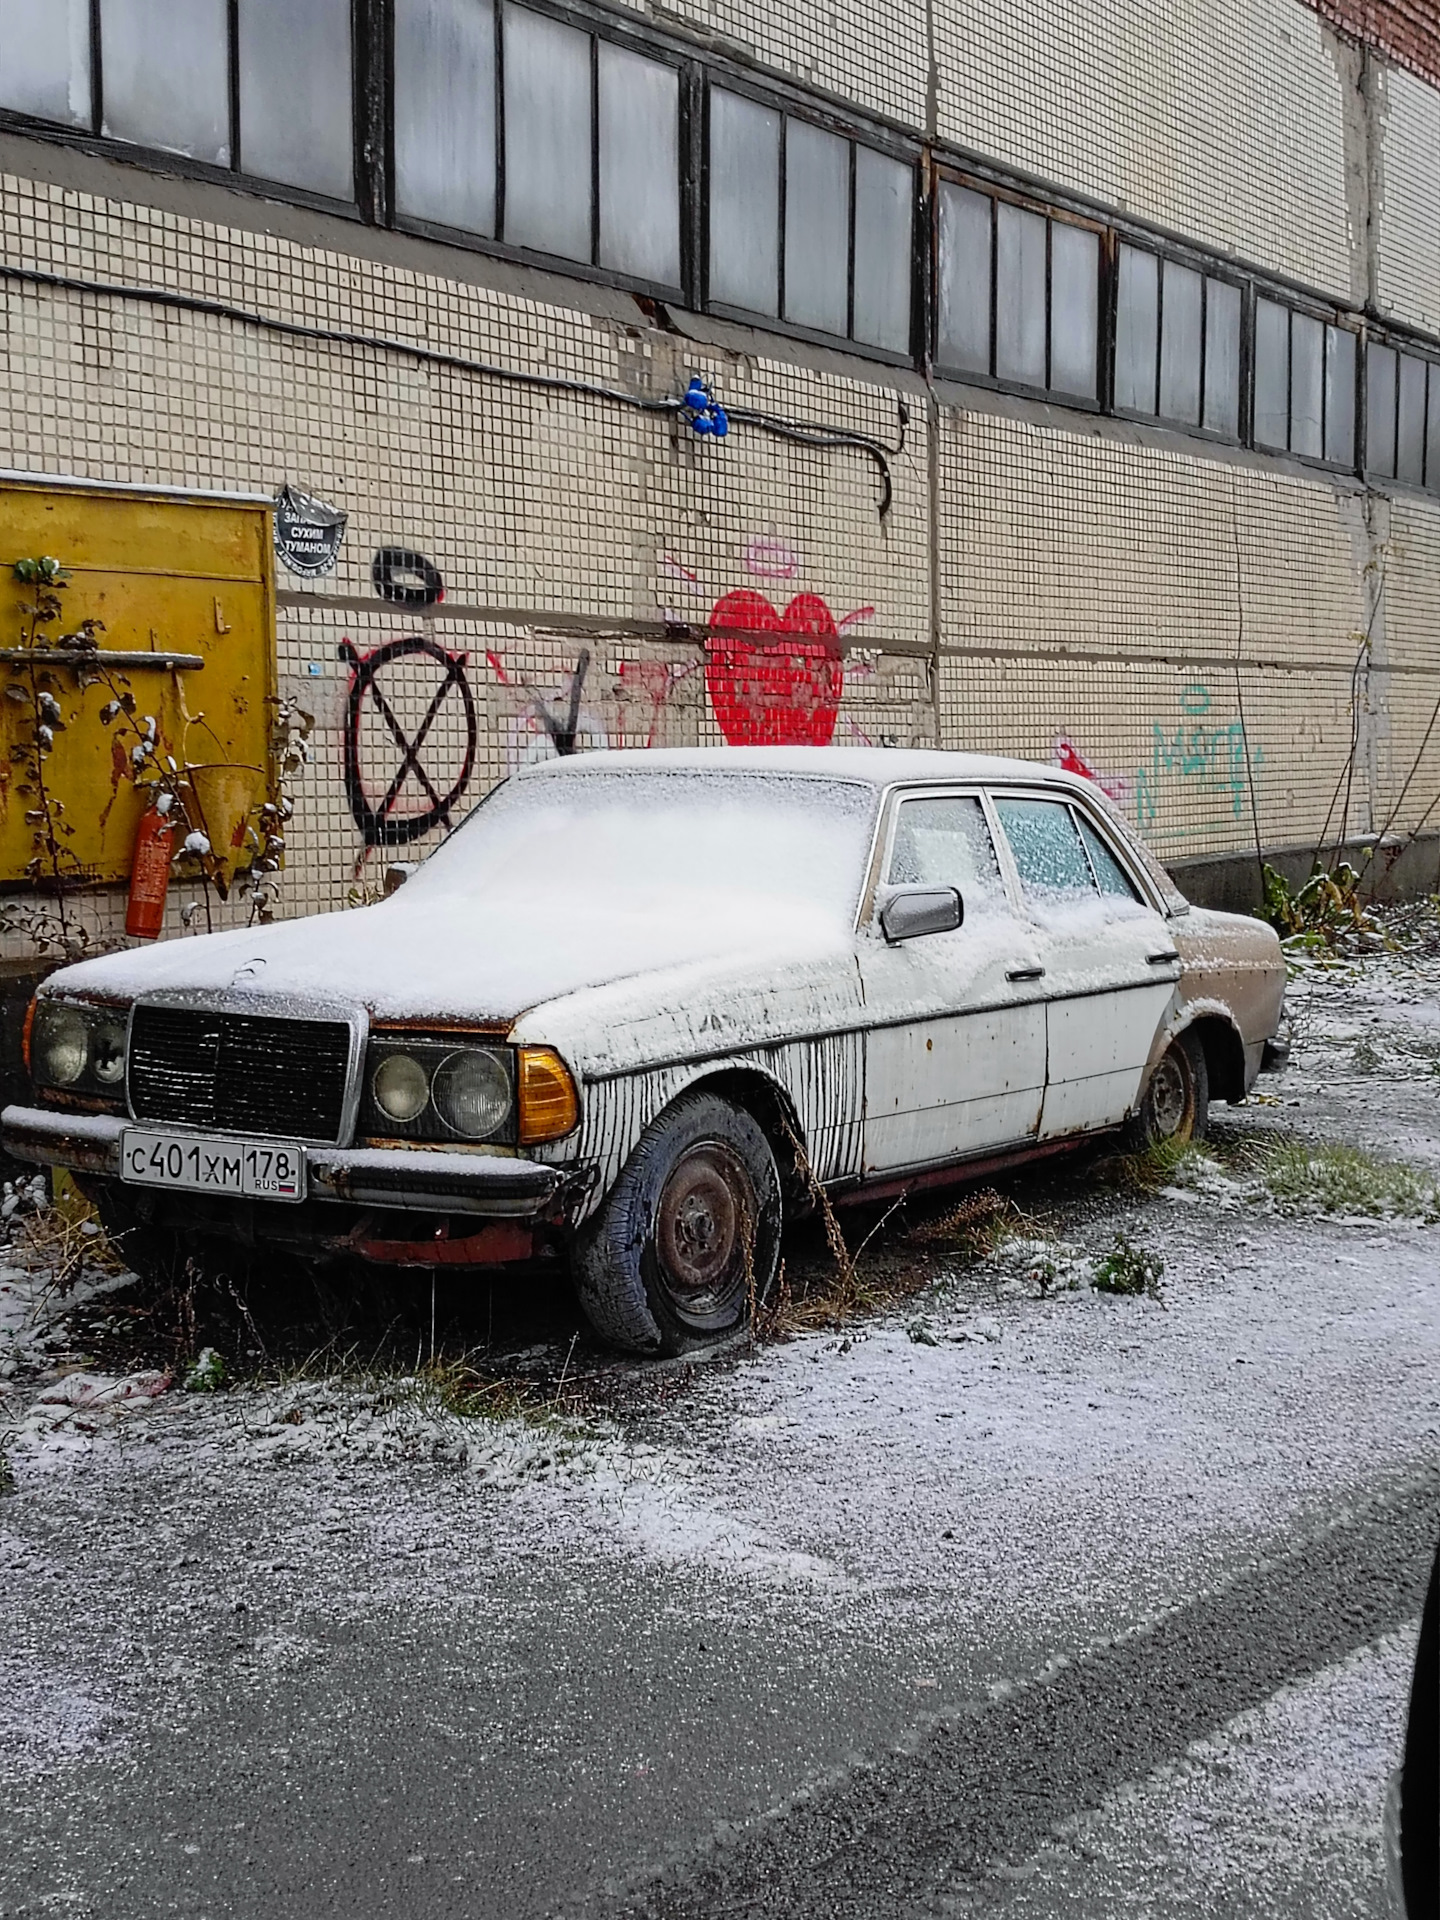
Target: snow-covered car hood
{"x": 440, "y": 958}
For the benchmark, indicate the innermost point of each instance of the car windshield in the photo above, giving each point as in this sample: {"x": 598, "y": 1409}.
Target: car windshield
{"x": 661, "y": 836}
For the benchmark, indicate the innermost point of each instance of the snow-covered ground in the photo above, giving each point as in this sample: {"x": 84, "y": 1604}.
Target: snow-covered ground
{"x": 907, "y": 1512}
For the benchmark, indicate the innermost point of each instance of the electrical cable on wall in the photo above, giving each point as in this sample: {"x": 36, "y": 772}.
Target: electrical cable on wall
{"x": 804, "y": 433}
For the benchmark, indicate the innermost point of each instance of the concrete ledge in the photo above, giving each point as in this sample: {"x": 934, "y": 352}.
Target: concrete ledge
{"x": 1400, "y": 869}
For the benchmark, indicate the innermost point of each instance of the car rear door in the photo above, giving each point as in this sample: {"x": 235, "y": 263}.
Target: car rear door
{"x": 1110, "y": 962}
{"x": 955, "y": 1040}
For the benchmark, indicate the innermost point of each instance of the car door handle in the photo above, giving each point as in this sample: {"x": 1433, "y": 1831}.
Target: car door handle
{"x": 1025, "y": 973}
{"x": 1163, "y": 959}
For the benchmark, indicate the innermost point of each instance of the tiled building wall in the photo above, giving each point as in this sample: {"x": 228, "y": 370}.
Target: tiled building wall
{"x": 1223, "y": 120}
{"x": 1181, "y": 622}
{"x": 1209, "y": 612}
{"x": 1407, "y": 214}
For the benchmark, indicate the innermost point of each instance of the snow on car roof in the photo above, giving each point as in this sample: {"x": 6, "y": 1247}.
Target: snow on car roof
{"x": 870, "y": 766}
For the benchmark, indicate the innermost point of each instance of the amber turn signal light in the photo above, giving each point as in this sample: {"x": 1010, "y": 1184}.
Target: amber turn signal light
{"x": 549, "y": 1103}
{"x": 28, "y": 1029}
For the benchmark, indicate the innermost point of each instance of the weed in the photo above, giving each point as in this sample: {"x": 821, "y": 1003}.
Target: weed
{"x": 1166, "y": 1163}
{"x": 1323, "y": 1178}
{"x": 207, "y": 1374}
{"x": 1322, "y": 912}
{"x": 980, "y": 1225}
{"x": 1129, "y": 1269}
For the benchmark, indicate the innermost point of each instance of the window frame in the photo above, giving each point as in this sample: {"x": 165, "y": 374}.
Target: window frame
{"x": 598, "y": 27}
{"x": 1404, "y": 349}
{"x": 359, "y": 207}
{"x": 948, "y": 173}
{"x": 877, "y": 888}
{"x": 1208, "y": 269}
{"x": 1294, "y": 305}
{"x": 856, "y": 133}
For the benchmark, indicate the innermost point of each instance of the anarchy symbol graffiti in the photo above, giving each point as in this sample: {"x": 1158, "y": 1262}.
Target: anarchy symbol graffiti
{"x": 388, "y": 816}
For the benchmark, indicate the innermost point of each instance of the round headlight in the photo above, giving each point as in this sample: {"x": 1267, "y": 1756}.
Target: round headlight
{"x": 61, "y": 1047}
{"x": 107, "y": 1053}
{"x": 401, "y": 1087}
{"x": 472, "y": 1094}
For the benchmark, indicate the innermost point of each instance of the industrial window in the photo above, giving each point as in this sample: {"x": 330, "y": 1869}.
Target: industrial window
{"x": 579, "y": 156}
{"x": 1019, "y": 295}
{"x": 297, "y": 94}
{"x": 180, "y": 102}
{"x": 1177, "y": 343}
{"x": 1304, "y": 385}
{"x": 808, "y": 226}
{"x": 445, "y": 125}
{"x": 45, "y": 59}
{"x": 1403, "y": 440}
{"x": 259, "y": 85}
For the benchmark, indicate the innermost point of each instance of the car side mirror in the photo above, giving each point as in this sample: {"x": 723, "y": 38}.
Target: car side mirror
{"x": 396, "y": 874}
{"x": 905, "y": 916}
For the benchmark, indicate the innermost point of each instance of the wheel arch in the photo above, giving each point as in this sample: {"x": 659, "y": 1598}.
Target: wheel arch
{"x": 1214, "y": 1027}
{"x": 770, "y": 1106}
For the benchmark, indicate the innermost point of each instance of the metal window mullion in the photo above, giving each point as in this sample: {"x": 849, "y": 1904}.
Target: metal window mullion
{"x": 1247, "y": 364}
{"x": 97, "y": 71}
{"x": 1204, "y": 344}
{"x": 1289, "y": 379}
{"x": 850, "y": 270}
{"x": 994, "y": 361}
{"x": 594, "y": 150}
{"x": 924, "y": 263}
{"x": 1159, "y": 331}
{"x": 693, "y": 188}
{"x": 1049, "y": 301}
{"x": 781, "y": 215}
{"x": 501, "y": 14}
{"x": 1360, "y": 382}
{"x": 372, "y": 28}
{"x": 232, "y": 75}
{"x": 1107, "y": 332}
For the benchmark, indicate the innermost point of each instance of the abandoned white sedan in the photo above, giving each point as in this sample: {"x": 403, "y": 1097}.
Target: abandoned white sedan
{"x": 639, "y": 1006}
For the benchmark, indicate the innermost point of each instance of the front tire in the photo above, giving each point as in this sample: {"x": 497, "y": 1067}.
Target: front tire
{"x": 1175, "y": 1106}
{"x": 689, "y": 1238}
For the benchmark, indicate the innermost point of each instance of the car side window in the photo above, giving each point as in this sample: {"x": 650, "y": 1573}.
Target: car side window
{"x": 944, "y": 841}
{"x": 1108, "y": 871}
{"x": 1049, "y": 853}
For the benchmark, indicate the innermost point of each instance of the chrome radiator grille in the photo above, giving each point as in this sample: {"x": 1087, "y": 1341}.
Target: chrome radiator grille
{"x": 284, "y": 1079}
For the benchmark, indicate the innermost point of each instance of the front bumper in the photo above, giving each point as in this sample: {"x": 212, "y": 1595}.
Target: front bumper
{"x": 422, "y": 1179}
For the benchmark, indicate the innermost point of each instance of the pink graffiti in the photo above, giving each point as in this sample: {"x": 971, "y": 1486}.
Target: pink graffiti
{"x": 767, "y": 557}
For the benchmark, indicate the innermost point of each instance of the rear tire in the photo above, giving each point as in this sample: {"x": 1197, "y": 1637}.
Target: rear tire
{"x": 1175, "y": 1106}
{"x": 689, "y": 1236}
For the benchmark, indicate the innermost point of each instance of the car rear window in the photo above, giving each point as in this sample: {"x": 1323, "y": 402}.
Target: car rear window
{"x": 1049, "y": 853}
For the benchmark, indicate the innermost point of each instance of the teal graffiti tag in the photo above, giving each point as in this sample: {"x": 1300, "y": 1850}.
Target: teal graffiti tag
{"x": 1213, "y": 755}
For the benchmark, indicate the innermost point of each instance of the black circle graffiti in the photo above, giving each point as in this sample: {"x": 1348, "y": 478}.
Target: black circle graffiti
{"x": 406, "y": 578}
{"x": 378, "y": 824}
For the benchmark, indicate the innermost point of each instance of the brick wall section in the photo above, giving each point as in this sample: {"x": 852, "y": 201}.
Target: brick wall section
{"x": 1405, "y": 31}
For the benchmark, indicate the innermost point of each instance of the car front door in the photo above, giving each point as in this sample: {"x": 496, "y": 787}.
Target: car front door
{"x": 1110, "y": 961}
{"x": 955, "y": 1040}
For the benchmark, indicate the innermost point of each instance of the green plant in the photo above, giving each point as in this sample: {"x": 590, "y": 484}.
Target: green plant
{"x": 1129, "y": 1269}
{"x": 207, "y": 1373}
{"x": 1346, "y": 1180}
{"x": 1320, "y": 911}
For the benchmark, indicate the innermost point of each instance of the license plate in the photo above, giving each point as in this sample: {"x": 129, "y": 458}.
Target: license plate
{"x": 209, "y": 1164}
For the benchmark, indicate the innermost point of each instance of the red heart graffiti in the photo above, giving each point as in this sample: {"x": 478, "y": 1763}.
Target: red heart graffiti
{"x": 777, "y": 694}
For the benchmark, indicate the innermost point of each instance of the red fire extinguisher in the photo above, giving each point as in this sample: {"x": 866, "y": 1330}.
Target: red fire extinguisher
{"x": 150, "y": 872}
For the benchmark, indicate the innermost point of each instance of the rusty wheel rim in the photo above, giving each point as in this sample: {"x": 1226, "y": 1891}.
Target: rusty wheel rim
{"x": 705, "y": 1212}
{"x": 1170, "y": 1095}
